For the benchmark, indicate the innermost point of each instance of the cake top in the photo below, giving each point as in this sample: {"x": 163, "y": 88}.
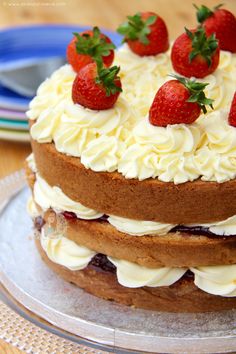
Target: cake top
{"x": 148, "y": 130}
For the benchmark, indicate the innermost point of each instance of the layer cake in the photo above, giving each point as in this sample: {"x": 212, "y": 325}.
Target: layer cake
{"x": 132, "y": 211}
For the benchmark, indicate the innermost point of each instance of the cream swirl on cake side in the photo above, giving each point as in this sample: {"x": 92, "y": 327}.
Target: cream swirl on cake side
{"x": 52, "y": 197}
{"x": 47, "y": 197}
{"x": 32, "y": 209}
{"x": 139, "y": 228}
{"x": 65, "y": 252}
{"x": 113, "y": 139}
{"x": 215, "y": 280}
{"x": 133, "y": 275}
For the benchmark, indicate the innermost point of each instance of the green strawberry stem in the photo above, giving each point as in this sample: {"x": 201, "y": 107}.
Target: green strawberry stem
{"x": 107, "y": 78}
{"x": 197, "y": 94}
{"x": 202, "y": 45}
{"x": 95, "y": 46}
{"x": 203, "y": 12}
{"x": 137, "y": 28}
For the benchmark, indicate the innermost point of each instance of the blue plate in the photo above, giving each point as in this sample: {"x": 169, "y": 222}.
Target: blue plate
{"x": 11, "y": 100}
{"x": 22, "y": 44}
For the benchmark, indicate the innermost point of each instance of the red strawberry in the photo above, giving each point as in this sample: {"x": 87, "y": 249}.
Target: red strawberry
{"x": 194, "y": 54}
{"x": 178, "y": 101}
{"x": 146, "y": 33}
{"x": 96, "y": 88}
{"x": 232, "y": 113}
{"x": 89, "y": 46}
{"x": 221, "y": 22}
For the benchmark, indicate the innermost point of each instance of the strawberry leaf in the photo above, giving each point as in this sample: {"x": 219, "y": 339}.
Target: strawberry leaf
{"x": 202, "y": 45}
{"x": 95, "y": 46}
{"x": 151, "y": 20}
{"x": 217, "y": 7}
{"x": 203, "y": 12}
{"x": 137, "y": 28}
{"x": 197, "y": 94}
{"x": 107, "y": 78}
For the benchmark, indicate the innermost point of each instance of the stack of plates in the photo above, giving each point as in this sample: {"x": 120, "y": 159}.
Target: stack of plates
{"x": 26, "y": 44}
{"x": 13, "y": 121}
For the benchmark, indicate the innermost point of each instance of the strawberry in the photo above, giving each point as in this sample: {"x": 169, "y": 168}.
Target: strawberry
{"x": 221, "y": 22}
{"x": 146, "y": 33}
{"x": 178, "y": 101}
{"x": 195, "y": 54}
{"x": 88, "y": 47}
{"x": 232, "y": 113}
{"x": 96, "y": 87}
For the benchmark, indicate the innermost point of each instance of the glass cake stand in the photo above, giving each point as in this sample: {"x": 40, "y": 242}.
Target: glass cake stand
{"x": 81, "y": 318}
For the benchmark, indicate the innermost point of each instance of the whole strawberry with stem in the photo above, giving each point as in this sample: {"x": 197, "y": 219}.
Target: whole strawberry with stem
{"x": 221, "y": 22}
{"x": 89, "y": 46}
{"x": 195, "y": 54}
{"x": 96, "y": 87}
{"x": 178, "y": 101}
{"x": 232, "y": 113}
{"x": 145, "y": 33}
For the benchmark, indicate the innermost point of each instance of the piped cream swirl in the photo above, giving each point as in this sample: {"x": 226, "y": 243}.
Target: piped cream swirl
{"x": 216, "y": 280}
{"x": 53, "y": 197}
{"x": 122, "y": 139}
{"x": 65, "y": 252}
{"x": 166, "y": 153}
{"x": 47, "y": 197}
{"x": 133, "y": 275}
{"x": 139, "y": 228}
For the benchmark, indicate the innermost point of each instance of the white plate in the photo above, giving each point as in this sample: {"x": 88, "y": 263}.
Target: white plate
{"x": 14, "y": 135}
{"x": 111, "y": 325}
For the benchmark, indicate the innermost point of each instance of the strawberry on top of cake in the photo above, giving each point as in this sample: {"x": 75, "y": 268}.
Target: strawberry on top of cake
{"x": 118, "y": 123}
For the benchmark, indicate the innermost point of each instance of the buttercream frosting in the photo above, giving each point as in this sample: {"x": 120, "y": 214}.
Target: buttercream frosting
{"x": 139, "y": 228}
{"x": 166, "y": 153}
{"x": 216, "y": 280}
{"x": 47, "y": 197}
{"x": 65, "y": 252}
{"x": 53, "y": 197}
{"x": 133, "y": 275}
{"x": 31, "y": 163}
{"x": 32, "y": 208}
{"x": 121, "y": 138}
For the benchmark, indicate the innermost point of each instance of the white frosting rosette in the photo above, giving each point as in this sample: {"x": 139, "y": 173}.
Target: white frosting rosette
{"x": 121, "y": 138}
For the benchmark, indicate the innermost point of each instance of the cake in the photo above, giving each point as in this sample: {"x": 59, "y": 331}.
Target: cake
{"x": 126, "y": 206}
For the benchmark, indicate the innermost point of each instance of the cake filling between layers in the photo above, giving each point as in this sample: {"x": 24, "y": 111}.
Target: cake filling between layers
{"x": 53, "y": 197}
{"x": 216, "y": 280}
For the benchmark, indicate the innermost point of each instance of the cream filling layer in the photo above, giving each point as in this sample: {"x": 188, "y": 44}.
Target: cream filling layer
{"x": 53, "y": 197}
{"x": 65, "y": 252}
{"x": 216, "y": 280}
{"x": 122, "y": 139}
